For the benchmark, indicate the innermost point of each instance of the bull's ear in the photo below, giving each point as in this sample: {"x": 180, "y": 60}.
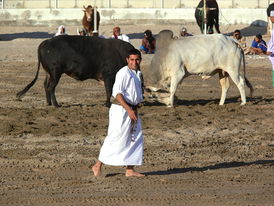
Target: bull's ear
{"x": 84, "y": 7}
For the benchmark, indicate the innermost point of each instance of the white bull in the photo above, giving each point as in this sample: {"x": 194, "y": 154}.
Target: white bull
{"x": 203, "y": 55}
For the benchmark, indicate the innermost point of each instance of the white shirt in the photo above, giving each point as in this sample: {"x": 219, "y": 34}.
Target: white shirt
{"x": 128, "y": 83}
{"x": 122, "y": 37}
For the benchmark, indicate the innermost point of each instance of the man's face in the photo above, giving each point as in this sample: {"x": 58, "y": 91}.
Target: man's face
{"x": 146, "y": 36}
{"x": 133, "y": 62}
{"x": 183, "y": 33}
{"x": 272, "y": 19}
{"x": 116, "y": 32}
{"x": 237, "y": 35}
{"x": 257, "y": 39}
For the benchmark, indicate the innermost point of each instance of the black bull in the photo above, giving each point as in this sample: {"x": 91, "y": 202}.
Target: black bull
{"x": 81, "y": 58}
{"x": 212, "y": 10}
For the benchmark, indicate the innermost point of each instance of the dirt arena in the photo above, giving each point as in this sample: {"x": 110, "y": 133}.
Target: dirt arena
{"x": 197, "y": 153}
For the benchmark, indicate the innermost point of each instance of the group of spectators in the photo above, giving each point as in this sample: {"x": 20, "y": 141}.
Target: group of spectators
{"x": 258, "y": 45}
{"x": 148, "y": 45}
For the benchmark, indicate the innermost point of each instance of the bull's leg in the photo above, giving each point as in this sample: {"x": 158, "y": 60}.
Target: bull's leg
{"x": 109, "y": 81}
{"x": 52, "y": 83}
{"x": 46, "y": 83}
{"x": 224, "y": 81}
{"x": 217, "y": 27}
{"x": 240, "y": 83}
{"x": 175, "y": 81}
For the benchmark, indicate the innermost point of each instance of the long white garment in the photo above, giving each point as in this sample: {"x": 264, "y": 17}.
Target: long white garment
{"x": 270, "y": 48}
{"x": 124, "y": 143}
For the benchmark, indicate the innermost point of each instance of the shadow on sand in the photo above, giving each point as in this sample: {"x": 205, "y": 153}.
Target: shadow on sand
{"x": 252, "y": 30}
{"x": 224, "y": 165}
{"x": 203, "y": 102}
{"x": 210, "y": 167}
{"x": 136, "y": 35}
{"x": 29, "y": 35}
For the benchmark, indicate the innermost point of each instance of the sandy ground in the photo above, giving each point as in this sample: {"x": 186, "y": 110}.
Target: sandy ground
{"x": 197, "y": 153}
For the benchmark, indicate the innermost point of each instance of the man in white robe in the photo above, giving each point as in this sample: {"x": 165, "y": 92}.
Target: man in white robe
{"x": 123, "y": 145}
{"x": 270, "y": 47}
{"x": 118, "y": 35}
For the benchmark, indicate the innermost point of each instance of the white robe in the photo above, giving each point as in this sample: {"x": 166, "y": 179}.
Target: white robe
{"x": 270, "y": 48}
{"x": 123, "y": 145}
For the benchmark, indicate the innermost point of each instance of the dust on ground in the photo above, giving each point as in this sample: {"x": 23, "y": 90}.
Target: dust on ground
{"x": 197, "y": 153}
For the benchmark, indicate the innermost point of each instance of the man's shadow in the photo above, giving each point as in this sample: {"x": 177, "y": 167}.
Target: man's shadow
{"x": 210, "y": 167}
{"x": 223, "y": 165}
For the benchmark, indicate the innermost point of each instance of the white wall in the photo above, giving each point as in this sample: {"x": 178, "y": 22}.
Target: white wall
{"x": 74, "y": 16}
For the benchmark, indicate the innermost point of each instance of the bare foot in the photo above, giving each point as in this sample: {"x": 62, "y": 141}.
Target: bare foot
{"x": 132, "y": 173}
{"x": 96, "y": 170}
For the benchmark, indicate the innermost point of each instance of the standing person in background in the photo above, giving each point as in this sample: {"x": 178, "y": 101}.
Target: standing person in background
{"x": 118, "y": 35}
{"x": 269, "y": 24}
{"x": 61, "y": 30}
{"x": 270, "y": 48}
{"x": 148, "y": 43}
{"x": 123, "y": 145}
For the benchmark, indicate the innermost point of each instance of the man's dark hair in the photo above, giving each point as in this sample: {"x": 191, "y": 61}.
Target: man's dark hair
{"x": 237, "y": 31}
{"x": 134, "y": 52}
{"x": 259, "y": 36}
{"x": 148, "y": 33}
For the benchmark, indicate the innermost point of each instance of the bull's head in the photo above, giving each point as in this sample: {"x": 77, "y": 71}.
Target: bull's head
{"x": 88, "y": 12}
{"x": 158, "y": 92}
{"x": 158, "y": 76}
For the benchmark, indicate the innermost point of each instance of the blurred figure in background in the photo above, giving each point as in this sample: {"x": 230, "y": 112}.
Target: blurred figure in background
{"x": 81, "y": 32}
{"x": 148, "y": 43}
{"x": 61, "y": 30}
{"x": 258, "y": 45}
{"x": 242, "y": 40}
{"x": 270, "y": 49}
{"x": 118, "y": 35}
{"x": 184, "y": 33}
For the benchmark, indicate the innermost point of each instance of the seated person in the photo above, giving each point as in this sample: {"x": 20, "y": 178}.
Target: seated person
{"x": 184, "y": 33}
{"x": 118, "y": 35}
{"x": 81, "y": 32}
{"x": 61, "y": 31}
{"x": 148, "y": 43}
{"x": 258, "y": 45}
{"x": 242, "y": 40}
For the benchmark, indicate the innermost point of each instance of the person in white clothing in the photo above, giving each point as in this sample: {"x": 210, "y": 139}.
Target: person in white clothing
{"x": 61, "y": 31}
{"x": 123, "y": 145}
{"x": 118, "y": 35}
{"x": 270, "y": 47}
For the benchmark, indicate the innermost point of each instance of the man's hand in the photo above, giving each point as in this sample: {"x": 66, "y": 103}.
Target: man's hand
{"x": 131, "y": 113}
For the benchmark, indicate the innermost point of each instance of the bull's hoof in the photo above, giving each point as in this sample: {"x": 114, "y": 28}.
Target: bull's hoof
{"x": 243, "y": 103}
{"x": 55, "y": 105}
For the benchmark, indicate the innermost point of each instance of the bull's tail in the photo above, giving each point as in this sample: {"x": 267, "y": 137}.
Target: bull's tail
{"x": 21, "y": 93}
{"x": 248, "y": 84}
